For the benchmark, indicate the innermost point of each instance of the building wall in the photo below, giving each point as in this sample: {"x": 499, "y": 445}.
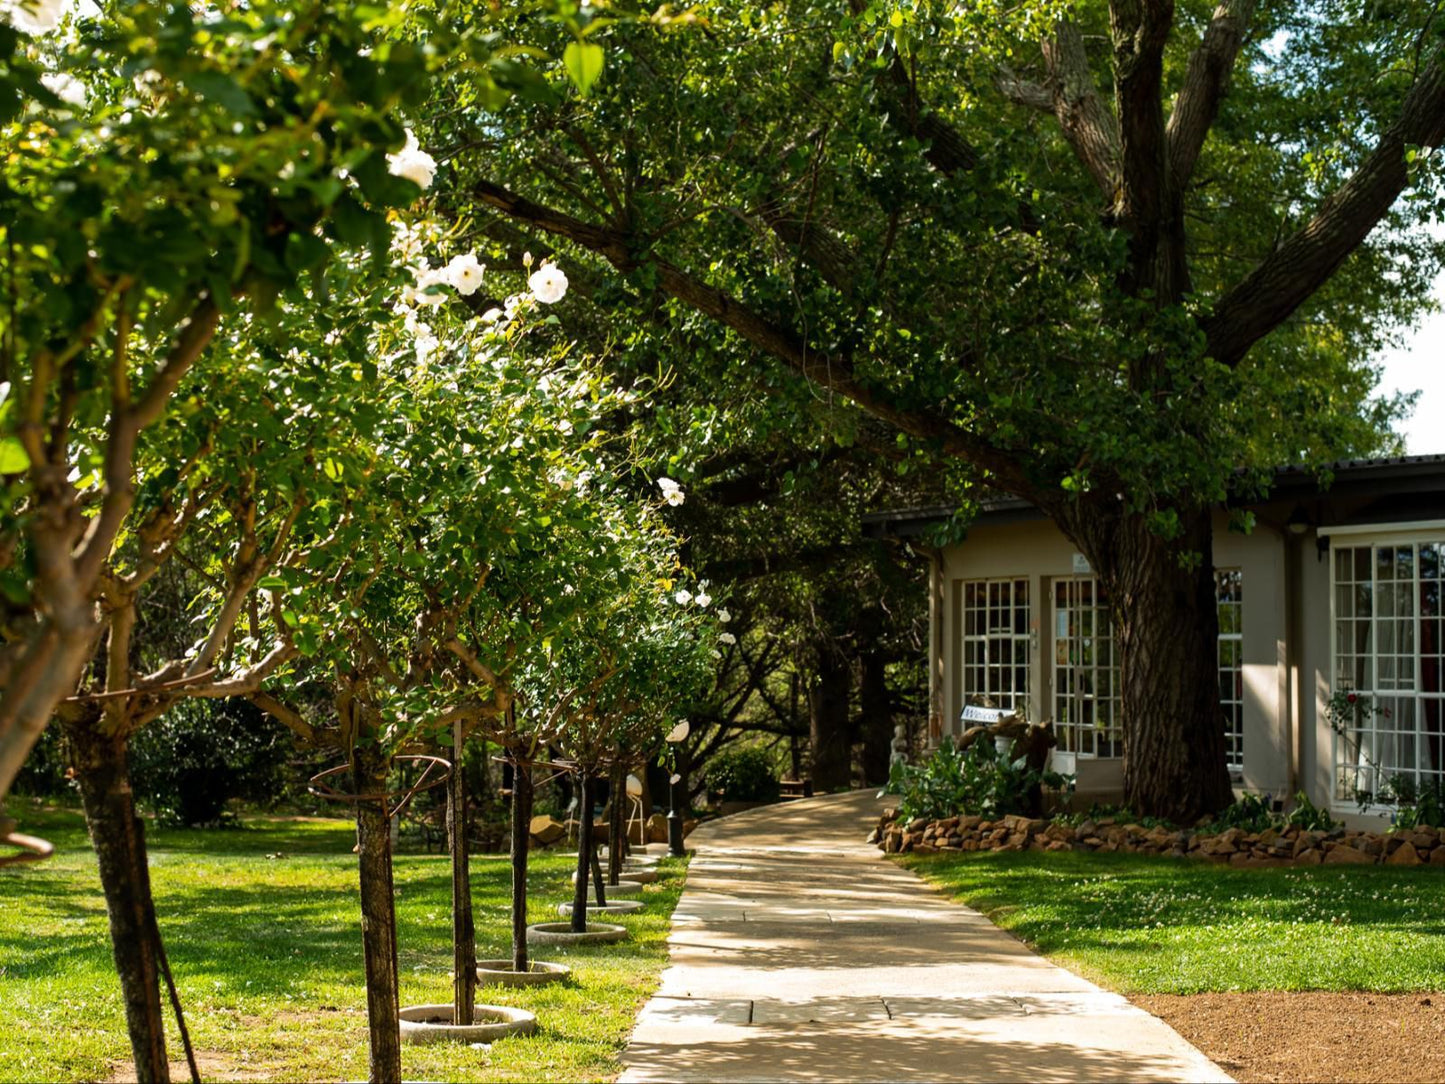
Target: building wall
{"x": 1037, "y": 551}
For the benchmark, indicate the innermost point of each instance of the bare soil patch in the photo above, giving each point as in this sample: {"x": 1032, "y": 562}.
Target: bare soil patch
{"x": 213, "y": 1066}
{"x": 1312, "y": 1036}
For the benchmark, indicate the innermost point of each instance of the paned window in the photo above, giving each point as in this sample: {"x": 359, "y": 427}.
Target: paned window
{"x": 996, "y": 641}
{"x": 1229, "y": 598}
{"x": 1388, "y": 648}
{"x": 1086, "y": 670}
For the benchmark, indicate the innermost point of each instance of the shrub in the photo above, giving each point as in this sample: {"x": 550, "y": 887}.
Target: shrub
{"x": 743, "y": 775}
{"x": 1308, "y": 816}
{"x": 1250, "y": 813}
{"x": 978, "y": 780}
{"x": 198, "y": 756}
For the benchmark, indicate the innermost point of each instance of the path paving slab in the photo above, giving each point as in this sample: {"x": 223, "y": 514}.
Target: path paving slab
{"x": 798, "y": 953}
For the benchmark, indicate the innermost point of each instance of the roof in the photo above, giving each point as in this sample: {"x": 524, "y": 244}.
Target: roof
{"x": 1386, "y": 477}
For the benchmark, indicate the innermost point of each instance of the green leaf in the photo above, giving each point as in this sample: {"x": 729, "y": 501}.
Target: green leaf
{"x": 583, "y": 62}
{"x": 13, "y": 457}
{"x": 224, "y": 91}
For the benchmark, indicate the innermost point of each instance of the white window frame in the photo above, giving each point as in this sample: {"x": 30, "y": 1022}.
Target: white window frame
{"x": 1070, "y": 730}
{"x": 1236, "y": 765}
{"x": 1376, "y": 536}
{"x": 1021, "y": 642}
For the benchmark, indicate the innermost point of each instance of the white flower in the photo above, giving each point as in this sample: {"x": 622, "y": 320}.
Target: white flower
{"x": 548, "y": 284}
{"x": 67, "y": 88}
{"x": 426, "y": 343}
{"x": 671, "y": 492}
{"x": 703, "y": 599}
{"x": 427, "y": 277}
{"x": 491, "y": 316}
{"x": 682, "y": 598}
{"x": 465, "y": 273}
{"x": 715, "y": 653}
{"x": 412, "y": 162}
{"x": 724, "y": 616}
{"x": 727, "y": 638}
{"x": 33, "y": 16}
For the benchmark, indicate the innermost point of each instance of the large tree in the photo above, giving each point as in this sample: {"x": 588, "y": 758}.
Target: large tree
{"x": 1116, "y": 258}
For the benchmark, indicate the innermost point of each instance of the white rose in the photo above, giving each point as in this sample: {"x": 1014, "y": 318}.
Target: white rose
{"x": 724, "y": 616}
{"x": 67, "y": 88}
{"x": 682, "y": 598}
{"x": 727, "y": 638}
{"x": 548, "y": 284}
{"x": 412, "y": 162}
{"x": 703, "y": 599}
{"x": 33, "y": 16}
{"x": 465, "y": 273}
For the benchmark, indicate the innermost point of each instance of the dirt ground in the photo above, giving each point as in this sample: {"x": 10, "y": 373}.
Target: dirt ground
{"x": 1312, "y": 1036}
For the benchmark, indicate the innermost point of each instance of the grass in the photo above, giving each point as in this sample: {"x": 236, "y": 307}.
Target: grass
{"x": 1146, "y": 925}
{"x": 262, "y": 927}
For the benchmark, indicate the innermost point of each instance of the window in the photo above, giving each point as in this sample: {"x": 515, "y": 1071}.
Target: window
{"x": 1086, "y": 670}
{"x": 996, "y": 641}
{"x": 1229, "y": 599}
{"x": 1388, "y": 648}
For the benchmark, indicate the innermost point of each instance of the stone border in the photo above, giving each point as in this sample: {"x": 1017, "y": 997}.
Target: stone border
{"x": 560, "y": 933}
{"x": 628, "y": 885}
{"x": 431, "y": 1024}
{"x": 1289, "y": 846}
{"x": 500, "y": 973}
{"x": 611, "y": 907}
{"x": 643, "y": 876}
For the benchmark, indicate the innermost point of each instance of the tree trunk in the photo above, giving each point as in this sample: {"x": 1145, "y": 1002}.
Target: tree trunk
{"x": 117, "y": 836}
{"x": 876, "y": 718}
{"x": 378, "y": 917}
{"x": 1166, "y": 628}
{"x": 615, "y": 808}
{"x": 585, "y": 857}
{"x": 464, "y": 934}
{"x": 828, "y": 722}
{"x": 521, "y": 844}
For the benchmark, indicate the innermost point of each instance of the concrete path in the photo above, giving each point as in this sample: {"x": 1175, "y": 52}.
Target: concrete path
{"x": 798, "y": 953}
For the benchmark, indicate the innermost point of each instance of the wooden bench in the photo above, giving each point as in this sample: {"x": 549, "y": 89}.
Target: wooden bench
{"x": 791, "y": 789}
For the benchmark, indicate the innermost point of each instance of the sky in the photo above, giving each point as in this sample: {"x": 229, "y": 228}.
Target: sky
{"x": 1419, "y": 363}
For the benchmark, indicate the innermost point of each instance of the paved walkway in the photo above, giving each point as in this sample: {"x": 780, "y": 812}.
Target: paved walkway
{"x": 799, "y": 954}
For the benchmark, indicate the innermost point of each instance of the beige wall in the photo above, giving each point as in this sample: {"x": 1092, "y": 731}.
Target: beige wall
{"x": 1038, "y": 551}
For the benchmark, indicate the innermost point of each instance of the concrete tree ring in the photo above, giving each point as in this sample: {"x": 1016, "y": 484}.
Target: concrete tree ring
{"x": 560, "y": 933}
{"x": 500, "y": 973}
{"x": 620, "y": 907}
{"x": 627, "y": 886}
{"x": 433, "y": 1024}
{"x": 641, "y": 876}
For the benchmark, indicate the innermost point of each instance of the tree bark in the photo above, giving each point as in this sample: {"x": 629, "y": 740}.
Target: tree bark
{"x": 464, "y": 934}
{"x": 828, "y": 722}
{"x": 378, "y": 917}
{"x": 521, "y": 844}
{"x": 117, "y": 836}
{"x": 585, "y": 858}
{"x": 1166, "y": 628}
{"x": 615, "y": 810}
{"x": 876, "y": 718}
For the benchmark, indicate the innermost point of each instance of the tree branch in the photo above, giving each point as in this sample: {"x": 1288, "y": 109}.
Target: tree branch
{"x": 1204, "y": 81}
{"x": 1305, "y": 261}
{"x": 831, "y": 372}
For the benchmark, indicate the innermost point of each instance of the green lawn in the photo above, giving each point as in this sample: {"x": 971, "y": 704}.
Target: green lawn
{"x": 1141, "y": 924}
{"x": 262, "y": 926}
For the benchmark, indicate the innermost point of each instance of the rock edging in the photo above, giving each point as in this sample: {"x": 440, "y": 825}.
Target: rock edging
{"x": 1290, "y": 846}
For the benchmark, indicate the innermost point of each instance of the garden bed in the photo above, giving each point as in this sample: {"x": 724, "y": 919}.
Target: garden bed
{"x": 1274, "y": 846}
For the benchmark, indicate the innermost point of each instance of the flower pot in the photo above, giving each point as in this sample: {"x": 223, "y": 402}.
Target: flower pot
{"x": 500, "y": 973}
{"x": 560, "y": 933}
{"x": 433, "y": 1024}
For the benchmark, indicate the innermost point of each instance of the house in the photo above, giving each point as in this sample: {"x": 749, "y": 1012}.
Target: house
{"x": 1334, "y": 589}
